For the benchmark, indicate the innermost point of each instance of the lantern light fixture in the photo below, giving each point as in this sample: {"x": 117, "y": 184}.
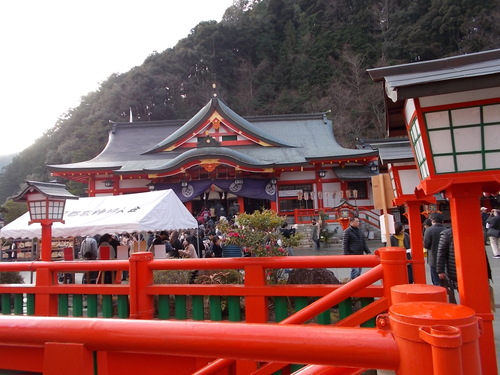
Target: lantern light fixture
{"x": 109, "y": 183}
{"x": 151, "y": 186}
{"x": 184, "y": 183}
{"x": 373, "y": 167}
{"x": 46, "y": 202}
{"x": 274, "y": 181}
{"x": 322, "y": 173}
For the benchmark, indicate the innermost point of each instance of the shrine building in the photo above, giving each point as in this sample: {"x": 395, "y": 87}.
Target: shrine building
{"x": 279, "y": 162}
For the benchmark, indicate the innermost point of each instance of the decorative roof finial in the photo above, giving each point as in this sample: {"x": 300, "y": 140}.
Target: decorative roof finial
{"x": 214, "y": 87}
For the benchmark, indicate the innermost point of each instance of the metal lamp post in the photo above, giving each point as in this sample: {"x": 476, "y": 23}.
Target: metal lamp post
{"x": 46, "y": 203}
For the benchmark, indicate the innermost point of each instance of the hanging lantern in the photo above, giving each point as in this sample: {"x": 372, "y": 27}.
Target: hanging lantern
{"x": 313, "y": 195}
{"x": 300, "y": 195}
{"x": 320, "y": 195}
{"x": 306, "y": 195}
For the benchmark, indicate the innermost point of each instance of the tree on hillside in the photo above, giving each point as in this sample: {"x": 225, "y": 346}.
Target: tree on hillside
{"x": 269, "y": 57}
{"x": 12, "y": 210}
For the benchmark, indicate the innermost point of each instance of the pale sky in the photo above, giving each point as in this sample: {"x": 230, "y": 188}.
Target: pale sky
{"x": 56, "y": 51}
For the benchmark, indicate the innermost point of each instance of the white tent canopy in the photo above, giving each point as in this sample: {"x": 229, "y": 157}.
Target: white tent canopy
{"x": 150, "y": 211}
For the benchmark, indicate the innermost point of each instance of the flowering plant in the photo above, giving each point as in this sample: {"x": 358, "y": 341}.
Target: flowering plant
{"x": 258, "y": 234}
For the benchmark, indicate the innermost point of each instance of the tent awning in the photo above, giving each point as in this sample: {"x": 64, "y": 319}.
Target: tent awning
{"x": 150, "y": 211}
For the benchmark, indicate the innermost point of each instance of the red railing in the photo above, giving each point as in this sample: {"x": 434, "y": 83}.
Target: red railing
{"x": 141, "y": 289}
{"x": 148, "y": 346}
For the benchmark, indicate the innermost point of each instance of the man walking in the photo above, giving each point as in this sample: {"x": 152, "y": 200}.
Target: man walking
{"x": 354, "y": 243}
{"x": 431, "y": 243}
{"x": 315, "y": 233}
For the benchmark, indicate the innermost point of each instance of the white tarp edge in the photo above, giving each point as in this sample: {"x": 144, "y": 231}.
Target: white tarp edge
{"x": 154, "y": 210}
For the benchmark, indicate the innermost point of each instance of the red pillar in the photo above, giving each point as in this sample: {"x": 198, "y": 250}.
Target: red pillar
{"x": 319, "y": 188}
{"x": 141, "y": 303}
{"x": 46, "y": 252}
{"x": 393, "y": 261}
{"x": 257, "y": 311}
{"x": 45, "y": 303}
{"x": 470, "y": 260}
{"x": 434, "y": 338}
{"x": 274, "y": 206}
{"x": 416, "y": 241}
{"x": 241, "y": 202}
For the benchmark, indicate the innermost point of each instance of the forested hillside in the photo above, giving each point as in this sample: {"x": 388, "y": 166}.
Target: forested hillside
{"x": 270, "y": 57}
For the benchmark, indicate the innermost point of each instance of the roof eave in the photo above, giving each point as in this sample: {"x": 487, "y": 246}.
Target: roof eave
{"x": 397, "y": 93}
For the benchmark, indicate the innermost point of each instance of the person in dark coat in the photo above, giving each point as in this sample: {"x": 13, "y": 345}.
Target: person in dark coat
{"x": 287, "y": 233}
{"x": 354, "y": 243}
{"x": 175, "y": 244}
{"x": 493, "y": 232}
{"x": 485, "y": 215}
{"x": 431, "y": 243}
{"x": 445, "y": 263}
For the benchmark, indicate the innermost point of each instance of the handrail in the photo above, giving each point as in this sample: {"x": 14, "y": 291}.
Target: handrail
{"x": 377, "y": 349}
{"x": 311, "y": 311}
{"x": 255, "y": 290}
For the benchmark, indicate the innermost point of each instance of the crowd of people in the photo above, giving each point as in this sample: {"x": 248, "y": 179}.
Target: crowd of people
{"x": 205, "y": 242}
{"x": 438, "y": 246}
{"x": 194, "y": 243}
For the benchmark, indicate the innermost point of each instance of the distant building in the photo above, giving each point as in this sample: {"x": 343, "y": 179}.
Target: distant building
{"x": 282, "y": 162}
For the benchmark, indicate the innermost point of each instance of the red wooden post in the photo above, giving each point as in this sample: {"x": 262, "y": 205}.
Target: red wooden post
{"x": 418, "y": 292}
{"x": 256, "y": 306}
{"x": 274, "y": 206}
{"x": 432, "y": 335}
{"x": 141, "y": 304}
{"x": 46, "y": 251}
{"x": 45, "y": 303}
{"x": 470, "y": 259}
{"x": 241, "y": 202}
{"x": 393, "y": 261}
